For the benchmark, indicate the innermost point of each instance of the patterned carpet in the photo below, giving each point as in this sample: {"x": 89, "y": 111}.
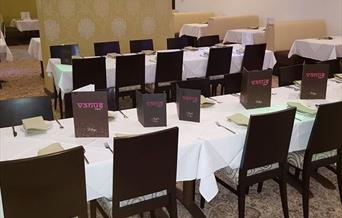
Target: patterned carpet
{"x": 24, "y": 80}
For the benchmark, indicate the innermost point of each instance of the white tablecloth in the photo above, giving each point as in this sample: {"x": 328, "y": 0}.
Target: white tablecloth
{"x": 35, "y": 49}
{"x": 25, "y": 25}
{"x": 195, "y": 65}
{"x": 194, "y": 29}
{"x": 203, "y": 147}
{"x": 5, "y": 52}
{"x": 318, "y": 49}
{"x": 246, "y": 36}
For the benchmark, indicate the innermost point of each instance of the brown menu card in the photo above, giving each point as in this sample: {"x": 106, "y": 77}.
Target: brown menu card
{"x": 188, "y": 104}
{"x": 314, "y": 81}
{"x": 151, "y": 109}
{"x": 90, "y": 111}
{"x": 256, "y": 88}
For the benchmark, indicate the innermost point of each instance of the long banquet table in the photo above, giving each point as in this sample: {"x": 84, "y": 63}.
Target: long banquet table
{"x": 194, "y": 65}
{"x": 246, "y": 36}
{"x": 203, "y": 148}
{"x": 25, "y": 25}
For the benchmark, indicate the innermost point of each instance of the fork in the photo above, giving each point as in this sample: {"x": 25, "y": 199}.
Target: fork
{"x": 107, "y": 146}
{"x": 124, "y": 115}
{"x": 219, "y": 125}
{"x": 217, "y": 101}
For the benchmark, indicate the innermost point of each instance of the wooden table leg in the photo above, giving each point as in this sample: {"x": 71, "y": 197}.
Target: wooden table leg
{"x": 187, "y": 198}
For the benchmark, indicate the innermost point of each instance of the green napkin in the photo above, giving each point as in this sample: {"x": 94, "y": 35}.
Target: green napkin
{"x": 206, "y": 102}
{"x": 297, "y": 82}
{"x": 239, "y": 119}
{"x": 190, "y": 48}
{"x": 302, "y": 108}
{"x": 53, "y": 148}
{"x": 35, "y": 123}
{"x": 338, "y": 76}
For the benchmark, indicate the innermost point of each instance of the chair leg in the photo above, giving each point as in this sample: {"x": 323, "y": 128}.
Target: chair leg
{"x": 93, "y": 209}
{"x": 241, "y": 201}
{"x": 339, "y": 178}
{"x": 173, "y": 206}
{"x": 305, "y": 194}
{"x": 202, "y": 203}
{"x": 283, "y": 194}
{"x": 60, "y": 102}
{"x": 260, "y": 184}
{"x": 297, "y": 173}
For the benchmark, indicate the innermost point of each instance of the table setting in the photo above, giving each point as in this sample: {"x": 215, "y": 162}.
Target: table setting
{"x": 246, "y": 36}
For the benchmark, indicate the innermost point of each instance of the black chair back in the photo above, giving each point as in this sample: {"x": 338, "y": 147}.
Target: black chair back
{"x": 232, "y": 83}
{"x": 253, "y": 58}
{"x": 65, "y": 52}
{"x": 47, "y": 186}
{"x": 87, "y": 71}
{"x": 219, "y": 61}
{"x": 103, "y": 48}
{"x": 268, "y": 139}
{"x": 12, "y": 111}
{"x": 169, "y": 66}
{"x": 132, "y": 163}
{"x": 140, "y": 45}
{"x": 326, "y": 131}
{"x": 130, "y": 70}
{"x": 177, "y": 43}
{"x": 289, "y": 74}
{"x": 207, "y": 41}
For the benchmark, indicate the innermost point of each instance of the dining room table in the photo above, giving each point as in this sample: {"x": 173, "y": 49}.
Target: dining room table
{"x": 5, "y": 52}
{"x": 321, "y": 49}
{"x": 194, "y": 65}
{"x": 35, "y": 51}
{"x": 203, "y": 149}
{"x": 25, "y": 25}
{"x": 196, "y": 30}
{"x": 246, "y": 36}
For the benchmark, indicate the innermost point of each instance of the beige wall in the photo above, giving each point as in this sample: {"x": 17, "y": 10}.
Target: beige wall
{"x": 88, "y": 21}
{"x": 11, "y": 8}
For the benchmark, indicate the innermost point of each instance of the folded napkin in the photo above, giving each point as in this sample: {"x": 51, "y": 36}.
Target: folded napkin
{"x": 338, "y": 76}
{"x": 302, "y": 108}
{"x": 35, "y": 124}
{"x": 53, "y": 148}
{"x": 88, "y": 88}
{"x": 297, "y": 82}
{"x": 111, "y": 115}
{"x": 206, "y": 102}
{"x": 239, "y": 119}
{"x": 113, "y": 55}
{"x": 125, "y": 135}
{"x": 253, "y": 27}
{"x": 148, "y": 52}
{"x": 190, "y": 48}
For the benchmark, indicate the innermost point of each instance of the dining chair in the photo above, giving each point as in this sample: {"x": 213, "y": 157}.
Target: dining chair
{"x": 288, "y": 74}
{"x": 130, "y": 76}
{"x": 141, "y": 45}
{"x": 103, "y": 48}
{"x": 144, "y": 175}
{"x": 219, "y": 62}
{"x": 324, "y": 149}
{"x": 264, "y": 156}
{"x": 46, "y": 186}
{"x": 65, "y": 53}
{"x": 232, "y": 83}
{"x": 12, "y": 111}
{"x": 177, "y": 43}
{"x": 253, "y": 58}
{"x": 206, "y": 41}
{"x": 169, "y": 70}
{"x": 195, "y": 83}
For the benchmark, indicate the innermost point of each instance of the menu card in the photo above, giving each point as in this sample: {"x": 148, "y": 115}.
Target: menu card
{"x": 90, "y": 111}
{"x": 314, "y": 81}
{"x": 151, "y": 109}
{"x": 256, "y": 88}
{"x": 188, "y": 104}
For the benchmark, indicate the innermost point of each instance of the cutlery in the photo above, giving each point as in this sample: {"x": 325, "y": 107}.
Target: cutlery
{"x": 217, "y": 101}
{"x": 219, "y": 125}
{"x": 14, "y": 132}
{"x": 298, "y": 119}
{"x": 86, "y": 159}
{"x": 107, "y": 146}
{"x": 60, "y": 125}
{"x": 124, "y": 115}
